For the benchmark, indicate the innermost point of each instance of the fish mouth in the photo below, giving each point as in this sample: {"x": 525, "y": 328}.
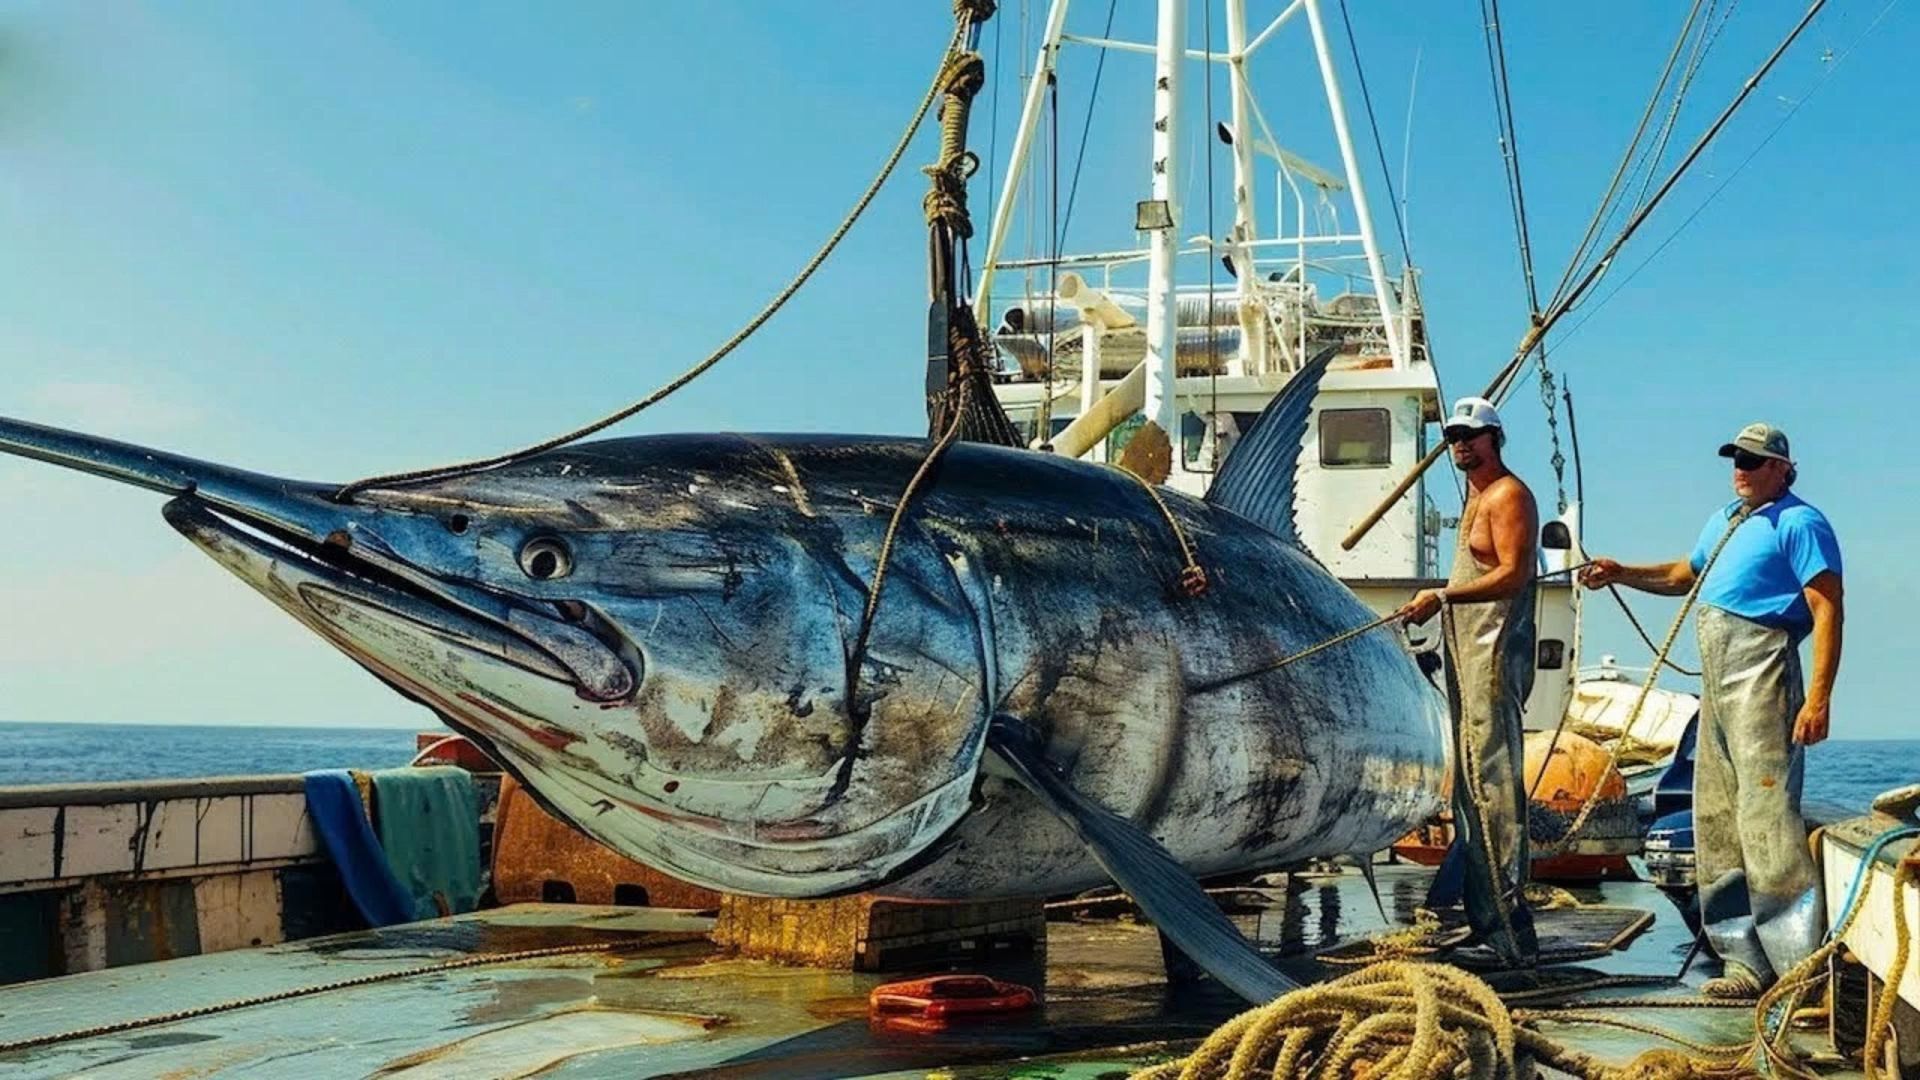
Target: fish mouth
{"x": 344, "y": 582}
{"x": 252, "y": 523}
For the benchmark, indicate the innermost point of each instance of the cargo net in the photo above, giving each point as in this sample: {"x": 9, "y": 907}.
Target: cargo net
{"x": 1610, "y": 819}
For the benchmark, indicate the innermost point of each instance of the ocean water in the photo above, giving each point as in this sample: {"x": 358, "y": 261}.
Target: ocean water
{"x": 1846, "y": 774}
{"x": 66, "y": 753}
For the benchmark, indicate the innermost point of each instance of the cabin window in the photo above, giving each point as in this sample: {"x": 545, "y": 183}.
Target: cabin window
{"x": 1553, "y": 654}
{"x": 1355, "y": 438}
{"x": 1027, "y": 423}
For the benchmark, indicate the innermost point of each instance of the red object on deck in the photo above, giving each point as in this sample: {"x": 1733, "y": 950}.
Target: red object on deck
{"x": 446, "y": 748}
{"x": 936, "y": 1003}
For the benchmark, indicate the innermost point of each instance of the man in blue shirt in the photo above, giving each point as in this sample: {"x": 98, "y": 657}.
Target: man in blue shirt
{"x": 1774, "y": 582}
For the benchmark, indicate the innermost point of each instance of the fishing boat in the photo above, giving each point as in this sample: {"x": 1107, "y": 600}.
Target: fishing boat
{"x": 214, "y": 926}
{"x": 1197, "y": 329}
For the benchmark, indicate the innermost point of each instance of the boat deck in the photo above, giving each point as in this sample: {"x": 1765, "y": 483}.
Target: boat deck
{"x": 644, "y": 993}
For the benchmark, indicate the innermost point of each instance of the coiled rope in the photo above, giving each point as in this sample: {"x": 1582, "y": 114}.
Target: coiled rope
{"x": 1406, "y": 1020}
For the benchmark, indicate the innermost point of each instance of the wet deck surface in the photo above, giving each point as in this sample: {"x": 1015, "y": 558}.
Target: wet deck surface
{"x": 660, "y": 1000}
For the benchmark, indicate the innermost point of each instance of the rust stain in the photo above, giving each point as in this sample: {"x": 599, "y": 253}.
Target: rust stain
{"x": 1766, "y": 781}
{"x": 533, "y": 847}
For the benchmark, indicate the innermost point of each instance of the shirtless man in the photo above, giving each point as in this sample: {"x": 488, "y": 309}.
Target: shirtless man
{"x": 1487, "y": 625}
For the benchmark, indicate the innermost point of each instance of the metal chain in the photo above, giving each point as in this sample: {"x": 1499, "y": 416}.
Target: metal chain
{"x": 298, "y": 992}
{"x": 1548, "y": 401}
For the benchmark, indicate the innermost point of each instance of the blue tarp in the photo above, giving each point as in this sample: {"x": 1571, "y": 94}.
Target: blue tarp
{"x": 333, "y": 802}
{"x": 425, "y": 859}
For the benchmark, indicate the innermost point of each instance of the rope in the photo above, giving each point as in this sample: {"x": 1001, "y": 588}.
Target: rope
{"x": 1771, "y": 1043}
{"x": 1881, "y": 1025}
{"x": 1605, "y": 209}
{"x": 1646, "y": 637}
{"x": 1337, "y": 639}
{"x": 919, "y": 478}
{"x": 1193, "y": 576}
{"x": 1509, "y": 146}
{"x": 1086, "y": 126}
{"x": 1832, "y": 67}
{"x": 961, "y": 77}
{"x": 1405, "y": 1020}
{"x": 197, "y": 1012}
{"x": 1412, "y": 942}
{"x": 779, "y": 300}
{"x": 1738, "y": 519}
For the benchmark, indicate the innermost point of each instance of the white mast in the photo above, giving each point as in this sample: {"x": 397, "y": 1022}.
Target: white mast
{"x": 1162, "y": 217}
{"x": 1253, "y": 331}
{"x": 1022, "y": 146}
{"x": 1389, "y": 319}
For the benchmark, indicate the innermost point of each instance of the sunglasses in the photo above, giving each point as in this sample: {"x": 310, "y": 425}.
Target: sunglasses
{"x": 1460, "y": 435}
{"x": 1746, "y": 462}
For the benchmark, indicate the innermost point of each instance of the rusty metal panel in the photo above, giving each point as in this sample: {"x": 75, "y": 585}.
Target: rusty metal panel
{"x": 534, "y": 854}
{"x": 169, "y": 837}
{"x": 238, "y": 911}
{"x": 151, "y": 920}
{"x": 277, "y": 827}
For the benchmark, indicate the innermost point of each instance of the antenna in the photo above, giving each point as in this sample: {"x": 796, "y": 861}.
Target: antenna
{"x": 1406, "y": 154}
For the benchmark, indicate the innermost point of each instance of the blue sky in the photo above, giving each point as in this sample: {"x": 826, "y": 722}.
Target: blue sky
{"x": 341, "y": 239}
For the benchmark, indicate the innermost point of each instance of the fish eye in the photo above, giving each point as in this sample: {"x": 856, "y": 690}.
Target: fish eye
{"x": 457, "y": 524}
{"x": 544, "y": 558}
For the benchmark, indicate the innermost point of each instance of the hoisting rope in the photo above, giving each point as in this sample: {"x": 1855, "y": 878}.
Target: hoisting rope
{"x": 940, "y": 81}
{"x": 1558, "y": 308}
{"x": 1275, "y": 665}
{"x": 962, "y": 77}
{"x": 1634, "y": 620}
{"x": 195, "y": 1013}
{"x": 1607, "y": 205}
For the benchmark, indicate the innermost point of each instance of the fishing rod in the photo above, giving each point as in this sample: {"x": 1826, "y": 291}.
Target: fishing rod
{"x": 1496, "y": 390}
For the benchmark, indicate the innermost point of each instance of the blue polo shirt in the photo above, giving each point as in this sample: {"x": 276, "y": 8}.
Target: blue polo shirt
{"x": 1769, "y": 560}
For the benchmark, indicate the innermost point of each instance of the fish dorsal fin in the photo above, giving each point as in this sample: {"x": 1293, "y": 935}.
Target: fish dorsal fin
{"x": 1256, "y": 480}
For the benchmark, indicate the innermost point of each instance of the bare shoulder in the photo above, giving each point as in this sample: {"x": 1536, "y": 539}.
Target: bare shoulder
{"x": 1509, "y": 495}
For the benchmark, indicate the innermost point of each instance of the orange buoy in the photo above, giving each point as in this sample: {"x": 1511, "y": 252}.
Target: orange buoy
{"x": 1577, "y": 767}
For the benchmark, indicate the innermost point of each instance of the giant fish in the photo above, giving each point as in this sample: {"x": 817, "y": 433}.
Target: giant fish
{"x": 656, "y": 635}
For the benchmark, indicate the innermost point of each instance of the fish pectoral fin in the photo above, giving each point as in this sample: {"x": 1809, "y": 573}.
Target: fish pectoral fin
{"x": 1169, "y": 895}
{"x": 1373, "y": 886}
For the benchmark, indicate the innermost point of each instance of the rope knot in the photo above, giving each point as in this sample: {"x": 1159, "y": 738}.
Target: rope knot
{"x": 965, "y": 74}
{"x": 946, "y": 203}
{"x": 1193, "y": 580}
{"x": 976, "y": 11}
